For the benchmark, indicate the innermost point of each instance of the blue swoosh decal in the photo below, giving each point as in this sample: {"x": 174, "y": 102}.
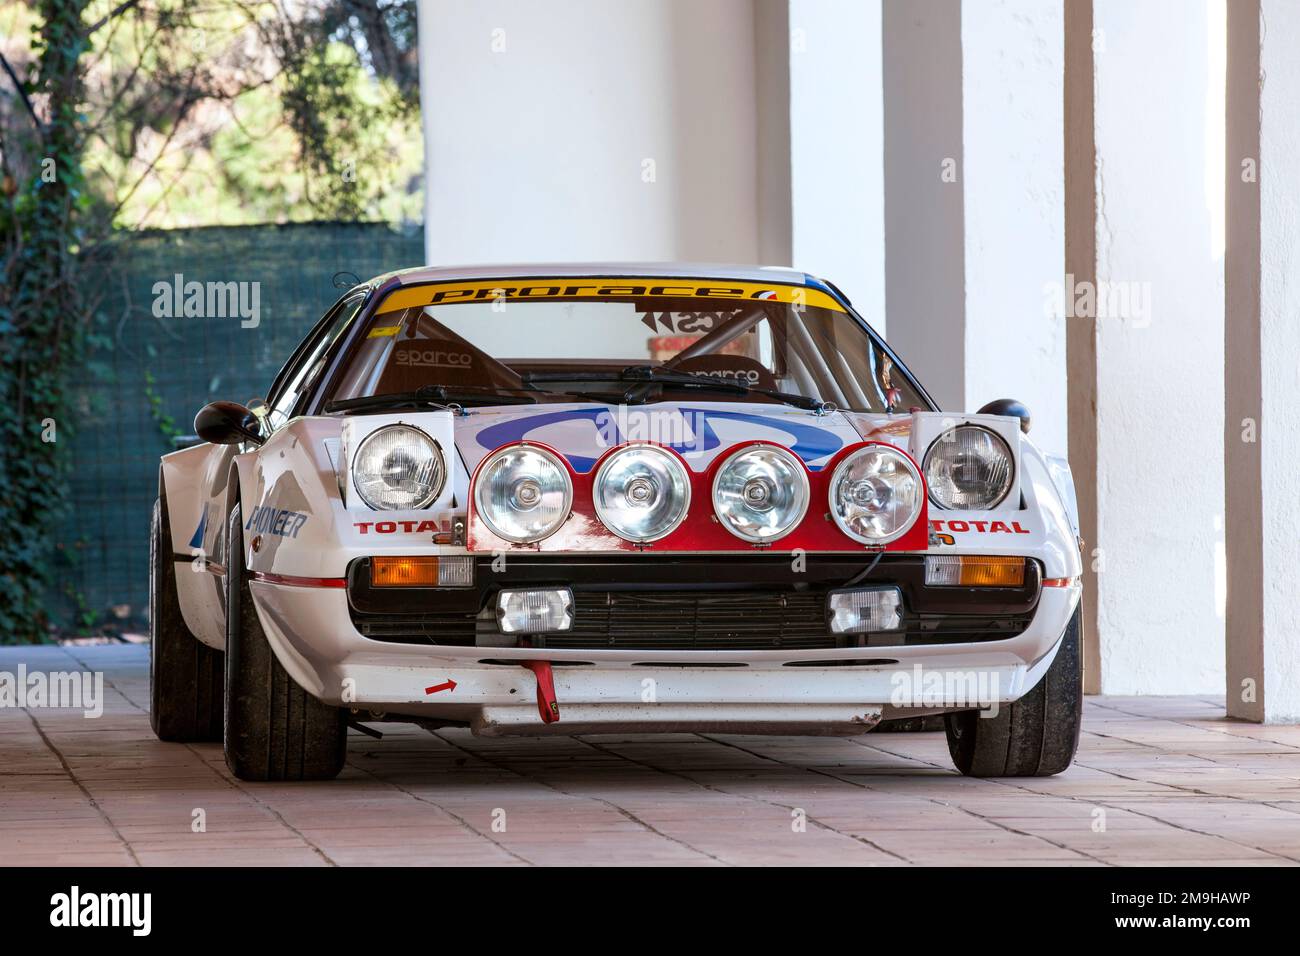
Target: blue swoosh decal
{"x": 197, "y": 540}
{"x": 811, "y": 442}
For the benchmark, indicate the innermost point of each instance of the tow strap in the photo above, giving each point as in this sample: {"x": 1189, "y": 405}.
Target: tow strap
{"x": 547, "y": 705}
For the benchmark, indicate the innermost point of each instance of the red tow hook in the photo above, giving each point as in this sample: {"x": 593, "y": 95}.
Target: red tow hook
{"x": 547, "y": 705}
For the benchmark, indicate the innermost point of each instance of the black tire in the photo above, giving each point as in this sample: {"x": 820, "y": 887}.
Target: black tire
{"x": 185, "y": 675}
{"x": 1038, "y": 735}
{"x": 275, "y": 730}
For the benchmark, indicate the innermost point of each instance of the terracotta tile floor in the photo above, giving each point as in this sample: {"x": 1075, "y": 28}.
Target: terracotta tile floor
{"x": 1158, "y": 780}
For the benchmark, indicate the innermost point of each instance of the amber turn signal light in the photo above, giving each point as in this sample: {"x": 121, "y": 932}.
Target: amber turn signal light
{"x": 974, "y": 571}
{"x": 408, "y": 572}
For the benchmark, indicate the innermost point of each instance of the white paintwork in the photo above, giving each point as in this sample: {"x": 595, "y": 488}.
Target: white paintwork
{"x": 312, "y": 634}
{"x": 825, "y": 720}
{"x": 1159, "y": 389}
{"x": 315, "y": 641}
{"x": 194, "y": 483}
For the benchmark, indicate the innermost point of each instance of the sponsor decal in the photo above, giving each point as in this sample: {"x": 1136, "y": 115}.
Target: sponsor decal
{"x": 978, "y": 527}
{"x": 276, "y": 521}
{"x": 744, "y": 376}
{"x": 685, "y": 323}
{"x": 810, "y": 442}
{"x": 196, "y": 541}
{"x": 424, "y": 526}
{"x": 432, "y": 358}
{"x": 448, "y": 293}
{"x": 384, "y": 331}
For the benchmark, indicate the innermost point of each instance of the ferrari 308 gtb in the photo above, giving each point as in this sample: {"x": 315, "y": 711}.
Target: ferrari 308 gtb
{"x": 610, "y": 498}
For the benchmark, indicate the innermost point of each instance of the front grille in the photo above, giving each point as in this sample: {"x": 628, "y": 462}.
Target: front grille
{"x": 678, "y": 620}
{"x": 447, "y": 630}
{"x": 696, "y": 620}
{"x": 958, "y": 628}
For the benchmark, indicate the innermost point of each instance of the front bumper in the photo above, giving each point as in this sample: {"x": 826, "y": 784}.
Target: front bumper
{"x": 784, "y": 689}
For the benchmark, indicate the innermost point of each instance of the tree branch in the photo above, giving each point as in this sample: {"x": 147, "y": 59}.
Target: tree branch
{"x": 22, "y": 94}
{"x": 117, "y": 11}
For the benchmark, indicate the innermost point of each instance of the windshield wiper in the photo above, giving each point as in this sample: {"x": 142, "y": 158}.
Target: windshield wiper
{"x": 436, "y": 395}
{"x": 643, "y": 375}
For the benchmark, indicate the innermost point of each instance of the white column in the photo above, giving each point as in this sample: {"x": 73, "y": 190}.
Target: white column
{"x": 1262, "y": 345}
{"x": 1081, "y": 329}
{"x": 974, "y": 202}
{"x": 1013, "y": 189}
{"x": 836, "y": 148}
{"x": 1159, "y": 114}
{"x": 585, "y": 129}
{"x": 924, "y": 233}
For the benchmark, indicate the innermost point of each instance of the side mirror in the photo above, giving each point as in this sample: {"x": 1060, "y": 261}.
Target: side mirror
{"x": 1008, "y": 406}
{"x": 227, "y": 423}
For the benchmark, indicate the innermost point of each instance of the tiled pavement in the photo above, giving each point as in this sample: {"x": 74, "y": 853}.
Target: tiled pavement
{"x": 1158, "y": 780}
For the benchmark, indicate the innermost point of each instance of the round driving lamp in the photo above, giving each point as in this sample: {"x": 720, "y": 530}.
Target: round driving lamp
{"x": 876, "y": 494}
{"x": 523, "y": 493}
{"x": 761, "y": 493}
{"x": 642, "y": 492}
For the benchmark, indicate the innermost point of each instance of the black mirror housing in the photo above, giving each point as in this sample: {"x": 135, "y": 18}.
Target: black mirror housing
{"x": 227, "y": 423}
{"x": 1008, "y": 406}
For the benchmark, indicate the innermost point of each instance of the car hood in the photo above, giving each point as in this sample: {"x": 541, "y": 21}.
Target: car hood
{"x": 698, "y": 431}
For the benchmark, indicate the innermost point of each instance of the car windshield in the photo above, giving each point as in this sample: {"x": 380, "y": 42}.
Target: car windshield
{"x": 628, "y": 340}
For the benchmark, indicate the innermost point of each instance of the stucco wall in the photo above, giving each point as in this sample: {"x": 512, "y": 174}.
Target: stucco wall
{"x": 836, "y": 147}
{"x": 1160, "y": 369}
{"x": 1013, "y": 90}
{"x": 581, "y": 129}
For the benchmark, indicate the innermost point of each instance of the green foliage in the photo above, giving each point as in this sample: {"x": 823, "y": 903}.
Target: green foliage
{"x": 166, "y": 424}
{"x": 167, "y": 113}
{"x": 42, "y": 320}
{"x": 243, "y": 113}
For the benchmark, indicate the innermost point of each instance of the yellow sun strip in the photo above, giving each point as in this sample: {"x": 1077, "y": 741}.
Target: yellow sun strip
{"x": 449, "y": 293}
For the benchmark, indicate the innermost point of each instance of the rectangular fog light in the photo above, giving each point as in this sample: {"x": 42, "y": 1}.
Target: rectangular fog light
{"x": 864, "y": 610}
{"x": 422, "y": 571}
{"x": 974, "y": 571}
{"x": 535, "y": 611}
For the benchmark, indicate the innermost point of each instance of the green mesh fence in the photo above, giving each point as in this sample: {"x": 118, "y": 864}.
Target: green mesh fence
{"x": 145, "y": 377}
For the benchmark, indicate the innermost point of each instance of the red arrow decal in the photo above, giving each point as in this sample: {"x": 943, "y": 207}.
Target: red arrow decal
{"x": 448, "y": 684}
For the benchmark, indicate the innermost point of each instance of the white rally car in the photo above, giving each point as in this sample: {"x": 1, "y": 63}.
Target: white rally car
{"x": 586, "y": 499}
